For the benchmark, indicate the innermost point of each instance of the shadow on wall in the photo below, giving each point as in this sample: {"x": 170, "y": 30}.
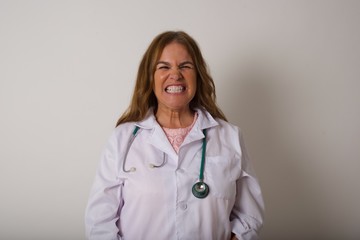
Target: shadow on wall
{"x": 254, "y": 101}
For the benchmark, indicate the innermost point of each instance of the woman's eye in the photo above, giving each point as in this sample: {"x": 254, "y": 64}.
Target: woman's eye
{"x": 163, "y": 67}
{"x": 186, "y": 67}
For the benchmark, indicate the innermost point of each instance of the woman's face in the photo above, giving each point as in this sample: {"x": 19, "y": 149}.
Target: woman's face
{"x": 174, "y": 78}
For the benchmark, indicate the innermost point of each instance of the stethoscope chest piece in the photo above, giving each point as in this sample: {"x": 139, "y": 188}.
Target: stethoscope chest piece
{"x": 200, "y": 189}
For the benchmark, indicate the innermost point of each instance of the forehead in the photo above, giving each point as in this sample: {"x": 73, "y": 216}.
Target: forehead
{"x": 175, "y": 50}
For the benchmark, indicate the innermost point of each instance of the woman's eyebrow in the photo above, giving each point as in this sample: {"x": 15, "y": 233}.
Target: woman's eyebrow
{"x": 162, "y": 62}
{"x": 167, "y": 63}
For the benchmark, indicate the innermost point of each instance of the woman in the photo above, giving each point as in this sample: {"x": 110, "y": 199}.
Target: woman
{"x": 174, "y": 168}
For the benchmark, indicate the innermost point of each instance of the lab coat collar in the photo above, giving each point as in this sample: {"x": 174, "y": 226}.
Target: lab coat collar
{"x": 204, "y": 121}
{"x": 158, "y": 138}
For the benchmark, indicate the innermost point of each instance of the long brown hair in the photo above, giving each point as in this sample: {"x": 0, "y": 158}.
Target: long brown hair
{"x": 144, "y": 98}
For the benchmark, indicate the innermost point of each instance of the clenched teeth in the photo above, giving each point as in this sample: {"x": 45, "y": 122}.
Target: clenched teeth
{"x": 174, "y": 89}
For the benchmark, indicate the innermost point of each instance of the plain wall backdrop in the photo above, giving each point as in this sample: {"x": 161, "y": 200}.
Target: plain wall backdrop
{"x": 287, "y": 72}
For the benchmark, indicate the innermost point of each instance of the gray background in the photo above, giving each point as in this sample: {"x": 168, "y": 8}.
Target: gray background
{"x": 287, "y": 72}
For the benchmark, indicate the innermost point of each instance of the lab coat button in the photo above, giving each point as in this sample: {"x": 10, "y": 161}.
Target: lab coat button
{"x": 183, "y": 206}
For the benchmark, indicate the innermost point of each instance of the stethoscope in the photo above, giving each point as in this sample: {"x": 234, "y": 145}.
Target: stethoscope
{"x": 200, "y": 189}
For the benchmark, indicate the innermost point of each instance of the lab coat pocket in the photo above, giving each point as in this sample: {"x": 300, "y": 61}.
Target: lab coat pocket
{"x": 218, "y": 177}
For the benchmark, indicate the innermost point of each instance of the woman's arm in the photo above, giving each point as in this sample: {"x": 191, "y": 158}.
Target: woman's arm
{"x": 248, "y": 211}
{"x": 102, "y": 212}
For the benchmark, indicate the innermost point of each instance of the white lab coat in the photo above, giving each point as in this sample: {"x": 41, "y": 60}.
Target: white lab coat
{"x": 157, "y": 203}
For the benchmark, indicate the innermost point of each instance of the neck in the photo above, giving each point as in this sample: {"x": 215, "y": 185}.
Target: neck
{"x": 174, "y": 118}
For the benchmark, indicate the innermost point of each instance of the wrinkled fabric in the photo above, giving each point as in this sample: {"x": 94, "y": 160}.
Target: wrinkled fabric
{"x": 157, "y": 202}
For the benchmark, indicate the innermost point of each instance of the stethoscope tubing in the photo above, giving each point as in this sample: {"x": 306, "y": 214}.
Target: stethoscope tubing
{"x": 202, "y": 164}
{"x": 132, "y": 138}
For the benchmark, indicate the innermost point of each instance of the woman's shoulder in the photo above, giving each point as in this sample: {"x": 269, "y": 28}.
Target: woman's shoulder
{"x": 123, "y": 130}
{"x": 227, "y": 126}
{"x": 127, "y": 126}
{"x": 215, "y": 123}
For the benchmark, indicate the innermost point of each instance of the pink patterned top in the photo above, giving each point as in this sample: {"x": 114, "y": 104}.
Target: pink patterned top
{"x": 177, "y": 136}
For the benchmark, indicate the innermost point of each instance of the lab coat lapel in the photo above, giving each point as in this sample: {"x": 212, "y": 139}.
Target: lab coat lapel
{"x": 159, "y": 140}
{"x": 157, "y": 137}
{"x": 204, "y": 121}
{"x": 195, "y": 137}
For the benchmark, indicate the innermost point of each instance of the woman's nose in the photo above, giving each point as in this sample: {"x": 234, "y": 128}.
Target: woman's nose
{"x": 175, "y": 75}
